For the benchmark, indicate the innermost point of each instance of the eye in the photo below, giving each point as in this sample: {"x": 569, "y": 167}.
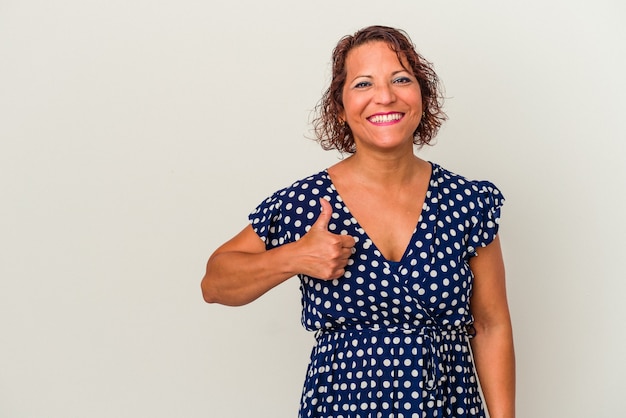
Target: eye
{"x": 362, "y": 84}
{"x": 402, "y": 80}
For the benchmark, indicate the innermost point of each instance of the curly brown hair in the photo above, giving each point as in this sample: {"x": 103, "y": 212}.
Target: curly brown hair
{"x": 333, "y": 133}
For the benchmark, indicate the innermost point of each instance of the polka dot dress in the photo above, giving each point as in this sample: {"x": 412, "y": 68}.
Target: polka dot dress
{"x": 392, "y": 337}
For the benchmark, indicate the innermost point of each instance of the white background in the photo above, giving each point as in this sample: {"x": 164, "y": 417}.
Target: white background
{"x": 136, "y": 135}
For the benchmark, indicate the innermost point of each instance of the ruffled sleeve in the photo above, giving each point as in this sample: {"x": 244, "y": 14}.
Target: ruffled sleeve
{"x": 486, "y": 218}
{"x": 267, "y": 221}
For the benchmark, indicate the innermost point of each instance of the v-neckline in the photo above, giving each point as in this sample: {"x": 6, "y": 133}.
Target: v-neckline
{"x": 356, "y": 222}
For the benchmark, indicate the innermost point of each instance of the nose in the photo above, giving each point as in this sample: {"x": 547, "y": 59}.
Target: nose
{"x": 385, "y": 94}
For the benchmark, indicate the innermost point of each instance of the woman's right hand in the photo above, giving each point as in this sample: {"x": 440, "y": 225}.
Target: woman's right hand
{"x": 324, "y": 254}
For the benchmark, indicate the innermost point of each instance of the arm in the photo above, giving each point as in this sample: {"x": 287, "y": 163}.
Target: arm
{"x": 241, "y": 270}
{"x": 493, "y": 344}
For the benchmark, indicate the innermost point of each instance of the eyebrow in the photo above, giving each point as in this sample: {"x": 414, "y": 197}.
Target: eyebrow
{"x": 369, "y": 76}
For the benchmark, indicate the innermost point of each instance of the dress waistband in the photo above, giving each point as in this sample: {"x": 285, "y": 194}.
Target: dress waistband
{"x": 420, "y": 330}
{"x": 433, "y": 339}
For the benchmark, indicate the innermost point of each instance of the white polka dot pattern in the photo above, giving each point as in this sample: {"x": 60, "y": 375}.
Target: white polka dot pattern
{"x": 392, "y": 337}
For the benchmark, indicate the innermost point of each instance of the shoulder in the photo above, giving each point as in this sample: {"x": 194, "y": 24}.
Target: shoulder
{"x": 313, "y": 184}
{"x": 456, "y": 184}
{"x": 297, "y": 194}
{"x": 463, "y": 196}
{"x": 306, "y": 187}
{"x": 285, "y": 215}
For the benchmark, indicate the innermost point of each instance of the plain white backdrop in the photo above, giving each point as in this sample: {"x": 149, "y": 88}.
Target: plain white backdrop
{"x": 136, "y": 135}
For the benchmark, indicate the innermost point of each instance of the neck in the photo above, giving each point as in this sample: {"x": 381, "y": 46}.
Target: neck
{"x": 383, "y": 169}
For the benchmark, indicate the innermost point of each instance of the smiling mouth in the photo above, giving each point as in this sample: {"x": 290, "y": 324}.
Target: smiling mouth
{"x": 386, "y": 118}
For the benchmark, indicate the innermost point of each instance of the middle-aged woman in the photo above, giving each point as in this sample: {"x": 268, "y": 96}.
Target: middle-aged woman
{"x": 398, "y": 258}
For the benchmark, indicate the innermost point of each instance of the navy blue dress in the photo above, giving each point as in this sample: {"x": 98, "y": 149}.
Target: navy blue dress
{"x": 392, "y": 337}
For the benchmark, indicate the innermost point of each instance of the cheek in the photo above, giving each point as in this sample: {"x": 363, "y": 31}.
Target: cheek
{"x": 353, "y": 106}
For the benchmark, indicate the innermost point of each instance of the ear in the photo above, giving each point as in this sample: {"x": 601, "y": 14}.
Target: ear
{"x": 342, "y": 116}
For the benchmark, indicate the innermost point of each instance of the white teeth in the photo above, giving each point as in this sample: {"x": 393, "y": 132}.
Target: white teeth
{"x": 385, "y": 118}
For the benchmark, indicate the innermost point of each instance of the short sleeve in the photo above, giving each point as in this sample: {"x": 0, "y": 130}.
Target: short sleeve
{"x": 267, "y": 221}
{"x": 486, "y": 218}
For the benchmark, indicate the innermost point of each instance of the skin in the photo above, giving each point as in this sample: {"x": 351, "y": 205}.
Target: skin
{"x": 493, "y": 344}
{"x": 379, "y": 182}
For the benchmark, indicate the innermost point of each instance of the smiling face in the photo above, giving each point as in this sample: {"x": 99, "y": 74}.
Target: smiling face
{"x": 382, "y": 99}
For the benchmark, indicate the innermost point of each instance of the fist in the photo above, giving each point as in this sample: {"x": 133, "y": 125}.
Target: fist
{"x": 325, "y": 254}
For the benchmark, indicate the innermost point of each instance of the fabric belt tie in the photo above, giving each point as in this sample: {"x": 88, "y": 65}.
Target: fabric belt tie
{"x": 433, "y": 348}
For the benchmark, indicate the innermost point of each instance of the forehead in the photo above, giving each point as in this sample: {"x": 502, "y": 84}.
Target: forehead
{"x": 374, "y": 55}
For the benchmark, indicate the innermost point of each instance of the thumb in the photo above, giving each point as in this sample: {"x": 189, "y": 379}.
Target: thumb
{"x": 324, "y": 218}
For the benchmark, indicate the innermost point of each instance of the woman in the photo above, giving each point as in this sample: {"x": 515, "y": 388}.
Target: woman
{"x": 399, "y": 259}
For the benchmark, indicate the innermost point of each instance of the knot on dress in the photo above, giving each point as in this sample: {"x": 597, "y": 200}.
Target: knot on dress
{"x": 433, "y": 345}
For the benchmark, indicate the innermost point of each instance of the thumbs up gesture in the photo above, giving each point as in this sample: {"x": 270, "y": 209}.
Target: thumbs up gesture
{"x": 324, "y": 255}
